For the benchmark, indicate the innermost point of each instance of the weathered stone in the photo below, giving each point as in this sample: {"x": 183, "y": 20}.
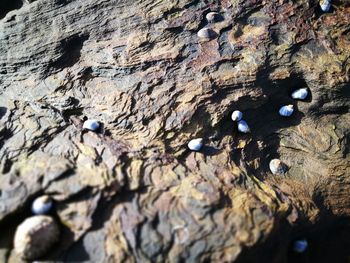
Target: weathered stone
{"x": 139, "y": 68}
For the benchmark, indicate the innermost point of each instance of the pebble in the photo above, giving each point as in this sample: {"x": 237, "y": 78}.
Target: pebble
{"x": 300, "y": 246}
{"x": 325, "y": 5}
{"x": 35, "y": 236}
{"x": 42, "y": 205}
{"x": 300, "y": 94}
{"x": 243, "y": 126}
{"x": 206, "y": 33}
{"x": 212, "y": 17}
{"x": 277, "y": 167}
{"x": 195, "y": 144}
{"x": 92, "y": 125}
{"x": 286, "y": 111}
{"x": 236, "y": 115}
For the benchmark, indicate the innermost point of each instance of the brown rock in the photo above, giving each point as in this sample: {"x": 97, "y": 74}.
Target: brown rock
{"x": 140, "y": 69}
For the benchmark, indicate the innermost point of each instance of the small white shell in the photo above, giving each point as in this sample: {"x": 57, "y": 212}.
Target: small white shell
{"x": 300, "y": 246}
{"x": 212, "y": 17}
{"x": 300, "y": 94}
{"x": 206, "y": 33}
{"x": 91, "y": 125}
{"x": 278, "y": 167}
{"x": 42, "y": 205}
{"x": 236, "y": 115}
{"x": 35, "y": 236}
{"x": 243, "y": 126}
{"x": 287, "y": 110}
{"x": 325, "y": 5}
{"x": 195, "y": 144}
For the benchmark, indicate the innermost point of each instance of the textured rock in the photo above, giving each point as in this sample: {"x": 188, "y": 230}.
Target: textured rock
{"x": 133, "y": 192}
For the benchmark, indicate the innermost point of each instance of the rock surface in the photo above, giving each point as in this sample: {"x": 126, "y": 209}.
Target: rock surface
{"x": 133, "y": 192}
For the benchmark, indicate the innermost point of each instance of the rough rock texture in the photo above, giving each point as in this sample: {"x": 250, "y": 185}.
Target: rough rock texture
{"x": 133, "y": 192}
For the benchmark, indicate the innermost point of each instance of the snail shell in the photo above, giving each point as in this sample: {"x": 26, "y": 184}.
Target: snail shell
{"x": 195, "y": 144}
{"x": 300, "y": 94}
{"x": 243, "y": 126}
{"x": 206, "y": 33}
{"x": 236, "y": 115}
{"x": 35, "y": 236}
{"x": 278, "y": 167}
{"x": 42, "y": 205}
{"x": 92, "y": 125}
{"x": 286, "y": 111}
{"x": 300, "y": 246}
{"x": 212, "y": 17}
{"x": 325, "y": 5}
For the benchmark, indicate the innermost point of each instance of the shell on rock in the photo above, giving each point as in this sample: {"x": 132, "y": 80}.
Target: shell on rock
{"x": 35, "y": 236}
{"x": 92, "y": 125}
{"x": 325, "y": 5}
{"x": 236, "y": 115}
{"x": 278, "y": 167}
{"x": 195, "y": 144}
{"x": 286, "y": 111}
{"x": 212, "y": 17}
{"x": 300, "y": 94}
{"x": 243, "y": 126}
{"x": 206, "y": 33}
{"x": 42, "y": 205}
{"x": 300, "y": 246}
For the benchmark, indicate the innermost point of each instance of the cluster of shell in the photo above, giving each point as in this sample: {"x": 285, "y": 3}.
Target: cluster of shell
{"x": 36, "y": 235}
{"x": 287, "y": 110}
{"x": 277, "y": 167}
{"x": 206, "y": 32}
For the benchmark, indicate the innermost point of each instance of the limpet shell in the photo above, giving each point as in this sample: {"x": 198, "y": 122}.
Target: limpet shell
{"x": 236, "y": 115}
{"x": 286, "y": 111}
{"x": 92, "y": 125}
{"x": 278, "y": 167}
{"x": 243, "y": 126}
{"x": 42, "y": 205}
{"x": 212, "y": 17}
{"x": 300, "y": 246}
{"x": 35, "y": 236}
{"x": 195, "y": 144}
{"x": 300, "y": 94}
{"x": 325, "y": 5}
{"x": 206, "y": 33}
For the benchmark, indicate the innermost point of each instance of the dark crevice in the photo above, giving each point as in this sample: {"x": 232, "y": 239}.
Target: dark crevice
{"x": 70, "y": 49}
{"x": 9, "y": 5}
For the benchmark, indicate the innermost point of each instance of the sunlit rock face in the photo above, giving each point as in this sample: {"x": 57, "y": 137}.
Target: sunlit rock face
{"x": 132, "y": 191}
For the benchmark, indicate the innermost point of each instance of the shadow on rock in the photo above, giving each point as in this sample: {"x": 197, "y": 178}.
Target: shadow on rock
{"x": 266, "y": 123}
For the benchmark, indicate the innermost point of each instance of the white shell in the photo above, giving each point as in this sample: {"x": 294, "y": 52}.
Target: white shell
{"x": 278, "y": 167}
{"x": 300, "y": 94}
{"x": 300, "y": 246}
{"x": 286, "y": 111}
{"x": 243, "y": 126}
{"x": 212, "y": 17}
{"x": 42, "y": 205}
{"x": 195, "y": 144}
{"x": 236, "y": 115}
{"x": 206, "y": 33}
{"x": 35, "y": 236}
{"x": 91, "y": 125}
{"x": 325, "y": 5}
